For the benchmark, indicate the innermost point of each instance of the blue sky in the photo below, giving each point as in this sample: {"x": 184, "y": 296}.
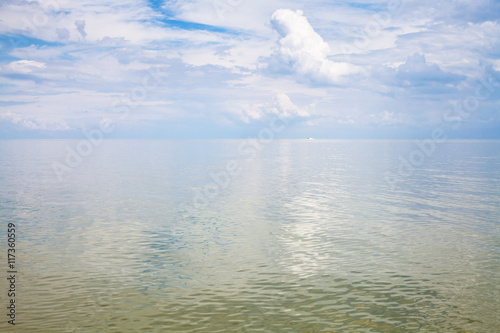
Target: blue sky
{"x": 225, "y": 68}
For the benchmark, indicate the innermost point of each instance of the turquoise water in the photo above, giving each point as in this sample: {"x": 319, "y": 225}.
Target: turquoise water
{"x": 299, "y": 236}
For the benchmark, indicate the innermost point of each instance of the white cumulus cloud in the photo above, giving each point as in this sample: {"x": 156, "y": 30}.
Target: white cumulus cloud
{"x": 283, "y": 107}
{"x": 303, "y": 51}
{"x": 280, "y": 106}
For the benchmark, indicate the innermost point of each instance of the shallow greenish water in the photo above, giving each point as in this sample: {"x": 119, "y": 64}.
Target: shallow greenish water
{"x": 307, "y": 236}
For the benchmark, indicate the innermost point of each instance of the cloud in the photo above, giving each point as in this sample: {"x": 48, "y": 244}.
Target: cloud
{"x": 283, "y": 107}
{"x": 62, "y": 34}
{"x": 280, "y": 106}
{"x": 384, "y": 118}
{"x": 25, "y": 66}
{"x": 80, "y": 26}
{"x": 302, "y": 51}
{"x": 416, "y": 72}
{"x": 462, "y": 11}
{"x": 26, "y": 123}
{"x": 89, "y": 55}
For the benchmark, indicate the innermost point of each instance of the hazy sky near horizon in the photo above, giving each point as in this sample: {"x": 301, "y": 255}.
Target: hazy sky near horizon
{"x": 225, "y": 68}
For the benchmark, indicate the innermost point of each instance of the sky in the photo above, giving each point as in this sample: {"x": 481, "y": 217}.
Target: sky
{"x": 236, "y": 68}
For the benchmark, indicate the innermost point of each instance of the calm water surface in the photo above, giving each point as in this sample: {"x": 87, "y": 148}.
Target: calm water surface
{"x": 307, "y": 237}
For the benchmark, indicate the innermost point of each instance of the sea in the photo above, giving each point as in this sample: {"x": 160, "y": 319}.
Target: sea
{"x": 250, "y": 235}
